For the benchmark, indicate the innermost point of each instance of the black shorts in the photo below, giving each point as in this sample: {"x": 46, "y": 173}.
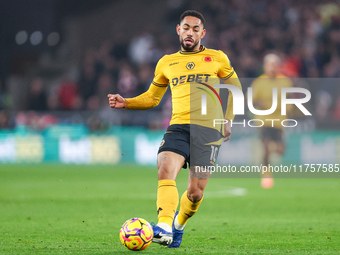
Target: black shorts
{"x": 273, "y": 134}
{"x": 198, "y": 145}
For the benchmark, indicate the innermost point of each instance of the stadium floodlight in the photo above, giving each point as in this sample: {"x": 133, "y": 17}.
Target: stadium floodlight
{"x": 21, "y": 37}
{"x": 36, "y": 38}
{"x": 53, "y": 39}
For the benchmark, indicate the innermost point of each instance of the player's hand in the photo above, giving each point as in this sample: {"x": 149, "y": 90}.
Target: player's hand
{"x": 116, "y": 101}
{"x": 227, "y": 130}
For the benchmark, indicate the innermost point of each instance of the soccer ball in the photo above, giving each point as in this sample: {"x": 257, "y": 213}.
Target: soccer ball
{"x": 136, "y": 234}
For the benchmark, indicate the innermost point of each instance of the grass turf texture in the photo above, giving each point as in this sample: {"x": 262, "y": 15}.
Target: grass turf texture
{"x": 56, "y": 209}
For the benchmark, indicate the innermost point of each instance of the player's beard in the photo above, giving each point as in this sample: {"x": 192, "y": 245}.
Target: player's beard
{"x": 188, "y": 47}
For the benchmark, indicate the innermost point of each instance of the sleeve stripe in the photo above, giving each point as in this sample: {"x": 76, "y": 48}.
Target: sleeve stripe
{"x": 159, "y": 85}
{"x": 228, "y": 76}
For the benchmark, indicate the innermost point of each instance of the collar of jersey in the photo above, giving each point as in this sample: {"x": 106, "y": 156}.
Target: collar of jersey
{"x": 202, "y": 48}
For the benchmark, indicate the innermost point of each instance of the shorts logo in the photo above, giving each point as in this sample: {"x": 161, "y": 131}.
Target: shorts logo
{"x": 162, "y": 143}
{"x": 190, "y": 65}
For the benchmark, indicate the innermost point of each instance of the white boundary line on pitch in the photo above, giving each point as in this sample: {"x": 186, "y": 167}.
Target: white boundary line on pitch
{"x": 225, "y": 192}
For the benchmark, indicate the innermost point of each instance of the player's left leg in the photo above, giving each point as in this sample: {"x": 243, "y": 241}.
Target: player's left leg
{"x": 190, "y": 201}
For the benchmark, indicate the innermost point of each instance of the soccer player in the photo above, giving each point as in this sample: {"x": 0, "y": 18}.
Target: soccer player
{"x": 193, "y": 63}
{"x": 271, "y": 131}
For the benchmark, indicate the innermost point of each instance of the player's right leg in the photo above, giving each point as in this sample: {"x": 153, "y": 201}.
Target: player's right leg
{"x": 169, "y": 164}
{"x": 173, "y": 154}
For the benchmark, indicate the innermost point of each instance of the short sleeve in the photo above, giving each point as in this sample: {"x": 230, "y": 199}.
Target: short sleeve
{"x": 226, "y": 70}
{"x": 159, "y": 79}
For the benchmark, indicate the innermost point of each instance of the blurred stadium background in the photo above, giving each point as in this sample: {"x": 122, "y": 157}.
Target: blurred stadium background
{"x": 60, "y": 58}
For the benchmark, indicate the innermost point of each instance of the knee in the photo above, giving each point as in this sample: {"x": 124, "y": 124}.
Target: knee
{"x": 164, "y": 171}
{"x": 195, "y": 195}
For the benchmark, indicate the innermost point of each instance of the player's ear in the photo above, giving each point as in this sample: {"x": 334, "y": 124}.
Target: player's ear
{"x": 178, "y": 28}
{"x": 203, "y": 33}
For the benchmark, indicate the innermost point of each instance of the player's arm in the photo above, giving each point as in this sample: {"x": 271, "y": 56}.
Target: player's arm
{"x": 229, "y": 76}
{"x": 148, "y": 99}
{"x": 233, "y": 80}
{"x": 227, "y": 130}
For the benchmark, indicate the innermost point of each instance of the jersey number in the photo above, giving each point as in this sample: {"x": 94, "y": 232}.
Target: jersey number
{"x": 214, "y": 153}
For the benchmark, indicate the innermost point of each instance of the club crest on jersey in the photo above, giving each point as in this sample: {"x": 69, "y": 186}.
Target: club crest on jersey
{"x": 190, "y": 65}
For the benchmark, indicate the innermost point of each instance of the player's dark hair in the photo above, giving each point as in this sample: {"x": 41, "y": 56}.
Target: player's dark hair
{"x": 193, "y": 14}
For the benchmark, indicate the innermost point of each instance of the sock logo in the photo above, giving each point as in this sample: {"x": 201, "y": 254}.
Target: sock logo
{"x": 159, "y": 209}
{"x": 188, "y": 215}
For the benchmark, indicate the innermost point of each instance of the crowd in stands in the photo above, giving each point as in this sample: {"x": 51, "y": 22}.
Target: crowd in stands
{"x": 305, "y": 34}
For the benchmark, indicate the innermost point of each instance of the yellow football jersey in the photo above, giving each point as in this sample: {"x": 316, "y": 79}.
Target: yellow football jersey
{"x": 263, "y": 97}
{"x": 189, "y": 75}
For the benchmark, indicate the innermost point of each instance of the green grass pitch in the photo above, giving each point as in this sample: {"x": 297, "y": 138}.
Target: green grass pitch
{"x": 59, "y": 209}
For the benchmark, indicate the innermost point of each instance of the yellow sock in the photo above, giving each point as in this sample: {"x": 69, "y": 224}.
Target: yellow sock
{"x": 187, "y": 209}
{"x": 167, "y": 201}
